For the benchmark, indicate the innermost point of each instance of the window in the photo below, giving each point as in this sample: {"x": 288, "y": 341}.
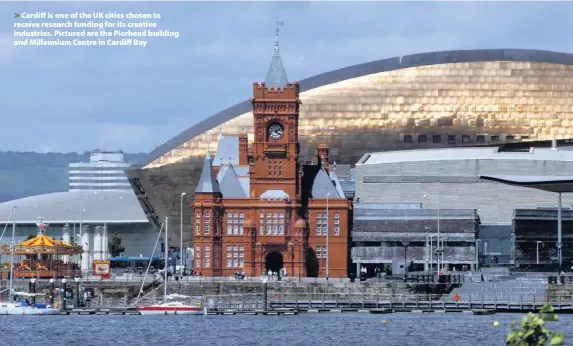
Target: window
{"x": 480, "y": 139}
{"x": 229, "y": 223}
{"x": 336, "y": 223}
{"x": 280, "y": 169}
{"x": 269, "y": 224}
{"x": 465, "y": 139}
{"x": 281, "y": 223}
{"x": 524, "y": 137}
{"x": 241, "y": 223}
{"x": 229, "y": 256}
{"x": 207, "y": 256}
{"x": 495, "y": 138}
{"x": 407, "y": 138}
{"x": 241, "y": 256}
{"x": 235, "y": 223}
{"x": 324, "y": 251}
{"x": 235, "y": 256}
{"x": 216, "y": 223}
{"x": 422, "y": 139}
{"x": 437, "y": 139}
{"x": 318, "y": 252}
{"x": 262, "y": 224}
{"x": 198, "y": 257}
{"x": 451, "y": 139}
{"x": 198, "y": 223}
{"x": 509, "y": 138}
{"x": 207, "y": 223}
{"x": 319, "y": 224}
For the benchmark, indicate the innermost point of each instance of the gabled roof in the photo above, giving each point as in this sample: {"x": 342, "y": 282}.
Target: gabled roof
{"x": 323, "y": 185}
{"x": 230, "y": 185}
{"x": 208, "y": 183}
{"x": 227, "y": 151}
{"x": 336, "y": 183}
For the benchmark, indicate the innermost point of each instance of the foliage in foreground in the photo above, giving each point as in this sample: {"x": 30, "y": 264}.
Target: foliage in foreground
{"x": 533, "y": 330}
{"x": 115, "y": 246}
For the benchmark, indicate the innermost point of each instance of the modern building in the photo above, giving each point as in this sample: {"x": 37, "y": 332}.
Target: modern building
{"x": 444, "y": 180}
{"x": 421, "y": 101}
{"x": 87, "y": 218}
{"x": 385, "y": 234}
{"x": 258, "y": 209}
{"x": 105, "y": 171}
{"x": 450, "y": 179}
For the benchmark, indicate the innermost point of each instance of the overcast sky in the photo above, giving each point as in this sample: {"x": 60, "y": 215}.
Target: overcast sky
{"x": 81, "y": 98}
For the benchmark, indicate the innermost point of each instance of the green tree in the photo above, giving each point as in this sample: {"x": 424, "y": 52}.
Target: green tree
{"x": 31, "y": 236}
{"x": 533, "y": 330}
{"x": 115, "y": 245}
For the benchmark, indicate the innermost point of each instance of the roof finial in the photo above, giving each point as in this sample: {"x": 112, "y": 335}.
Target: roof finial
{"x": 334, "y": 165}
{"x": 277, "y": 35}
{"x": 230, "y": 160}
{"x": 220, "y": 132}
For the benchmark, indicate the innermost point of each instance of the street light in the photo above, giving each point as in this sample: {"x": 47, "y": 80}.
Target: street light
{"x": 327, "y": 235}
{"x": 183, "y": 194}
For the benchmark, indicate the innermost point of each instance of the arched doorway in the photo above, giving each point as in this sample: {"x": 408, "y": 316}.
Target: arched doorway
{"x": 274, "y": 262}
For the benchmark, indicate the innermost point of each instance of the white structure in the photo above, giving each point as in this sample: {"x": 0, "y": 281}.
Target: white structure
{"x": 103, "y": 172}
{"x": 103, "y": 212}
{"x": 450, "y": 178}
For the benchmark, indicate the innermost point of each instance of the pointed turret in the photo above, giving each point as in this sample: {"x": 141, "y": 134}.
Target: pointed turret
{"x": 276, "y": 76}
{"x": 230, "y": 185}
{"x": 208, "y": 183}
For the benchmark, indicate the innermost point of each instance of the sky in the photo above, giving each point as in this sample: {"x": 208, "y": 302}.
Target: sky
{"x": 64, "y": 99}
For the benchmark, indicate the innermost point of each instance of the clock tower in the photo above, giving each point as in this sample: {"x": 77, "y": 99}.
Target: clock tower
{"x": 275, "y": 149}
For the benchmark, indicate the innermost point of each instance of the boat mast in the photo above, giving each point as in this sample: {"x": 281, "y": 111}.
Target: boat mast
{"x": 12, "y": 246}
{"x": 166, "y": 249}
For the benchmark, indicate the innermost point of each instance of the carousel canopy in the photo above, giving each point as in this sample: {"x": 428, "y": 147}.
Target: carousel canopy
{"x": 43, "y": 244}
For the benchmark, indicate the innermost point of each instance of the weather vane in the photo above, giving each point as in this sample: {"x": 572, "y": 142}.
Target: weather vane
{"x": 277, "y": 34}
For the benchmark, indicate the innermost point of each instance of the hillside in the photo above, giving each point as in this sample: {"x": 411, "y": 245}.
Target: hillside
{"x": 24, "y": 174}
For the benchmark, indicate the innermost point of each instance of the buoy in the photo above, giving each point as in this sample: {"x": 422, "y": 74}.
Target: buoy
{"x": 496, "y": 324}
{"x": 384, "y": 321}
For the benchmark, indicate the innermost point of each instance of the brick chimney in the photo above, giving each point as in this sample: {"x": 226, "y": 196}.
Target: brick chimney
{"x": 322, "y": 155}
{"x": 243, "y": 150}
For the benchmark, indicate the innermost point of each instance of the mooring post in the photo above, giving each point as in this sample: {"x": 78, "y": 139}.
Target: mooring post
{"x": 33, "y": 289}
{"x": 264, "y": 295}
{"x": 63, "y": 294}
{"x": 77, "y": 281}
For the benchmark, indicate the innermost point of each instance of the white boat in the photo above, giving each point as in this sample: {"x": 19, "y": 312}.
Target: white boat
{"x": 22, "y": 307}
{"x": 174, "y": 307}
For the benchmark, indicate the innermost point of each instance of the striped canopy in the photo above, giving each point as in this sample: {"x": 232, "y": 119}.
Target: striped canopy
{"x": 43, "y": 244}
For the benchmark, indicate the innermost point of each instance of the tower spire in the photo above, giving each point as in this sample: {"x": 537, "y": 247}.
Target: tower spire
{"x": 276, "y": 75}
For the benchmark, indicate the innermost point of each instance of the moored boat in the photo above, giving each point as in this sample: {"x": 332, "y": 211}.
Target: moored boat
{"x": 172, "y": 308}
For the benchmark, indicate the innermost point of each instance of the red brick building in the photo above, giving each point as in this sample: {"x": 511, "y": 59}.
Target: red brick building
{"x": 257, "y": 208}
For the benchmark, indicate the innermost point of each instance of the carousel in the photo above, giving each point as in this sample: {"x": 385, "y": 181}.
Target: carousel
{"x": 43, "y": 257}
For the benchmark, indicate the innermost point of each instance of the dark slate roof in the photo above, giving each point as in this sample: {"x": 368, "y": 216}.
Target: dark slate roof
{"x": 336, "y": 183}
{"x": 276, "y": 76}
{"x": 208, "y": 183}
{"x": 390, "y": 64}
{"x": 323, "y": 185}
{"x": 228, "y": 148}
{"x": 545, "y": 182}
{"x": 230, "y": 185}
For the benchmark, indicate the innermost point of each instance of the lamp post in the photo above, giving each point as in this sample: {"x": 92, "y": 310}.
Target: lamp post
{"x": 183, "y": 194}
{"x": 327, "y": 237}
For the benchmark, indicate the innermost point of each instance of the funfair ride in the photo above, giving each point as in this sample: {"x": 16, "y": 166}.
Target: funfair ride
{"x": 22, "y": 306}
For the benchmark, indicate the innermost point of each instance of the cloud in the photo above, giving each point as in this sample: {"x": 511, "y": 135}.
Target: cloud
{"x": 136, "y": 98}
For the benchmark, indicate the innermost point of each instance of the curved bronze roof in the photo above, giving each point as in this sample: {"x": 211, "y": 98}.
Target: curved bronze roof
{"x": 390, "y": 64}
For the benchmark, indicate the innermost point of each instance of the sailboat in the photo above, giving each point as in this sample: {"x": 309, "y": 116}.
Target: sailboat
{"x": 22, "y": 307}
{"x": 170, "y": 307}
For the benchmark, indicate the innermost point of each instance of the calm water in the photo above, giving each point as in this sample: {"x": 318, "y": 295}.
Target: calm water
{"x": 305, "y": 329}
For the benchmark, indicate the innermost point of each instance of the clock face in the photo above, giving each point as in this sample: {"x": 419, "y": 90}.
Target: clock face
{"x": 275, "y": 131}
